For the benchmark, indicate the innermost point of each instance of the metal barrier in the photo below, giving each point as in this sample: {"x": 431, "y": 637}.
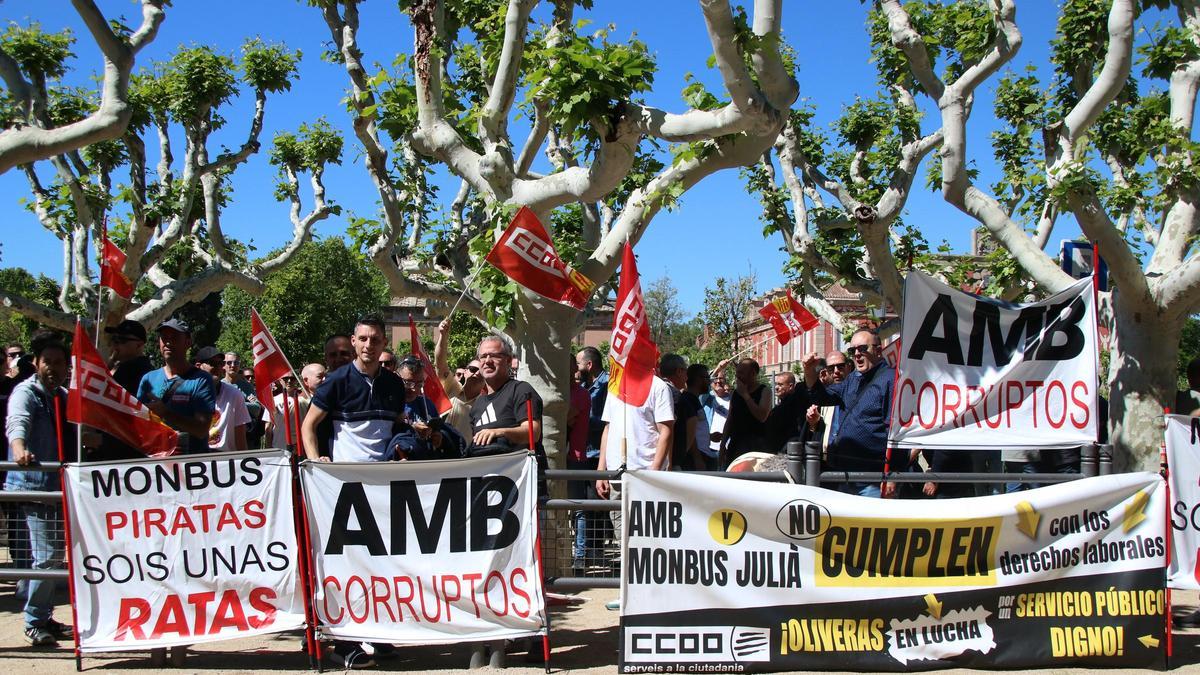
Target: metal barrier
{"x": 599, "y": 566}
{"x": 14, "y": 536}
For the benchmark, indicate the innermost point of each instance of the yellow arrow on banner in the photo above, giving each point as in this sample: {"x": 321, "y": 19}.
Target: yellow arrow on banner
{"x": 1148, "y": 641}
{"x": 1135, "y": 510}
{"x": 934, "y": 606}
{"x": 1028, "y": 519}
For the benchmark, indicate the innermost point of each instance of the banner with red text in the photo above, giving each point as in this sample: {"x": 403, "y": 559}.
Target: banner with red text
{"x": 183, "y": 550}
{"x": 977, "y": 372}
{"x": 720, "y": 578}
{"x": 435, "y": 552}
{"x": 1183, "y": 460}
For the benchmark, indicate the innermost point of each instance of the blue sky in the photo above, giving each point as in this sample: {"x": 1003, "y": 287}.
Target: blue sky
{"x": 715, "y": 231}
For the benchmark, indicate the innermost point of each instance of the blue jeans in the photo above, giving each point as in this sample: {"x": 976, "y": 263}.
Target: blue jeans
{"x": 1020, "y": 467}
{"x": 862, "y": 489}
{"x": 46, "y": 549}
{"x": 583, "y": 520}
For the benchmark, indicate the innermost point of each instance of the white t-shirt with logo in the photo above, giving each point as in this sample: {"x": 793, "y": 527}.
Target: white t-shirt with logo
{"x": 641, "y": 423}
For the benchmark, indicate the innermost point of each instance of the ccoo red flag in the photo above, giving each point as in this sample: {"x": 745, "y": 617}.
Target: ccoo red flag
{"x": 789, "y": 318}
{"x": 270, "y": 365}
{"x": 433, "y": 385}
{"x": 95, "y": 399}
{"x": 525, "y": 253}
{"x": 112, "y": 262}
{"x": 632, "y": 354}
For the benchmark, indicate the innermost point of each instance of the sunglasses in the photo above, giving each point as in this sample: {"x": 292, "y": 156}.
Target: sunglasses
{"x": 472, "y": 369}
{"x": 837, "y": 366}
{"x": 858, "y": 349}
{"x": 15, "y": 355}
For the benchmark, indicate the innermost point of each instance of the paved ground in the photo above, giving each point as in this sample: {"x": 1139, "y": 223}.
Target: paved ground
{"x": 584, "y": 637}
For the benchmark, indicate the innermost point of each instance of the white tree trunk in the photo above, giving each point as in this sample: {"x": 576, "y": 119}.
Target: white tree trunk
{"x": 543, "y": 331}
{"x": 1141, "y": 379}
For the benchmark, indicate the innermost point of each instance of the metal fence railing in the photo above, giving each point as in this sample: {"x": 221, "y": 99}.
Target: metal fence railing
{"x": 571, "y": 564}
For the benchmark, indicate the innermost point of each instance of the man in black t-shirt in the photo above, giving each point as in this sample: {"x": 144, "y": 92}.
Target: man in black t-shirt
{"x": 499, "y": 416}
{"x": 672, "y": 368}
{"x": 745, "y": 430}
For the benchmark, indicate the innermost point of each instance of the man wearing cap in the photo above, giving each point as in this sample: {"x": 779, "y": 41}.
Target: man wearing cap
{"x": 228, "y": 428}
{"x": 180, "y": 393}
{"x": 127, "y": 363}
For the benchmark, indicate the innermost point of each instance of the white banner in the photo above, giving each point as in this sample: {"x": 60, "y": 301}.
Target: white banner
{"x": 790, "y": 577}
{"x": 425, "y": 552}
{"x": 1183, "y": 460}
{"x": 183, "y": 550}
{"x": 981, "y": 373}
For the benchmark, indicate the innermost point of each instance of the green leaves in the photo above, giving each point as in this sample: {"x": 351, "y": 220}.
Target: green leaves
{"x": 310, "y": 149}
{"x": 587, "y": 78}
{"x": 197, "y": 80}
{"x": 322, "y": 292}
{"x": 269, "y": 68}
{"x": 956, "y": 35}
{"x": 40, "y": 55}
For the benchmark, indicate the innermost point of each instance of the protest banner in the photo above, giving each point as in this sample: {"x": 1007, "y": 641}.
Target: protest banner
{"x": 425, "y": 552}
{"x": 1183, "y": 459}
{"x": 183, "y": 550}
{"x": 982, "y": 373}
{"x": 721, "y": 578}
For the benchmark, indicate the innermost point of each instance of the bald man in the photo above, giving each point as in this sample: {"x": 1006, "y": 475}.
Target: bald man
{"x": 312, "y": 375}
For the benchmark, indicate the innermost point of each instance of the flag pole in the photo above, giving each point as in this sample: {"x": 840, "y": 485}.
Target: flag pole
{"x": 467, "y": 286}
{"x": 99, "y": 288}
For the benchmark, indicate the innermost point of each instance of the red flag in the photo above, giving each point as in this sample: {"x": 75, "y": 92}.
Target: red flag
{"x": 526, "y": 254}
{"x": 789, "y": 318}
{"x": 95, "y": 399}
{"x": 433, "y": 385}
{"x": 632, "y": 355}
{"x": 270, "y": 365}
{"x": 112, "y": 261}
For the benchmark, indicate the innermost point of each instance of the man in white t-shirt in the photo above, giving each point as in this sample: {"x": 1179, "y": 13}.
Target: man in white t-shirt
{"x": 648, "y": 429}
{"x": 228, "y": 428}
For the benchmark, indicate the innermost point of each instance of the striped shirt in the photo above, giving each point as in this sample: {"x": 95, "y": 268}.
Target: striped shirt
{"x": 363, "y": 411}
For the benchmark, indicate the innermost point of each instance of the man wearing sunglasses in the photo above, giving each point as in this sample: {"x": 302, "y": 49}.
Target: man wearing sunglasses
{"x": 858, "y": 432}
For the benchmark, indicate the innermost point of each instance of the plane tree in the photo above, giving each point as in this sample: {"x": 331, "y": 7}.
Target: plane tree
{"x": 489, "y": 87}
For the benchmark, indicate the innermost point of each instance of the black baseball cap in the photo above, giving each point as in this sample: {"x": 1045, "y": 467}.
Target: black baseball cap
{"x": 128, "y": 328}
{"x": 207, "y": 354}
{"x": 176, "y": 324}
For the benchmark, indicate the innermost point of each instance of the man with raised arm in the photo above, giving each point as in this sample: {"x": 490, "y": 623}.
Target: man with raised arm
{"x": 858, "y": 437}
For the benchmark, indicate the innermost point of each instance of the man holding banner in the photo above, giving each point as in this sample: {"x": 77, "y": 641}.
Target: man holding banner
{"x": 364, "y": 400}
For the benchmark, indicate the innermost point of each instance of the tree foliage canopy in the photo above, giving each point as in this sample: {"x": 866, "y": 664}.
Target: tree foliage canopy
{"x": 322, "y": 292}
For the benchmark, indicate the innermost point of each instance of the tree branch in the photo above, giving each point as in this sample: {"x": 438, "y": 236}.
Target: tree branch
{"x": 28, "y": 143}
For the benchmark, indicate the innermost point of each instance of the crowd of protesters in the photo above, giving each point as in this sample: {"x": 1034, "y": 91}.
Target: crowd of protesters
{"x": 366, "y": 403}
